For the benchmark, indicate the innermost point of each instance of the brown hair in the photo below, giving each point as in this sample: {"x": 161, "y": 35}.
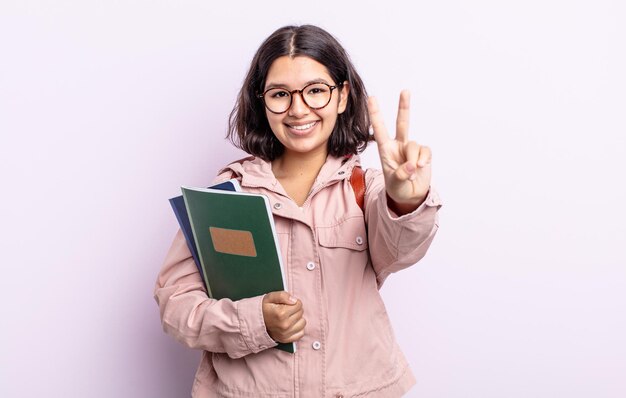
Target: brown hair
{"x": 248, "y": 128}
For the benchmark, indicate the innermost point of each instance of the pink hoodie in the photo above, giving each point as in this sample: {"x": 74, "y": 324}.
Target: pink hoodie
{"x": 336, "y": 258}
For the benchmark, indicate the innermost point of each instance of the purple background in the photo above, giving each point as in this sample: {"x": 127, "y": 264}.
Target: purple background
{"x": 106, "y": 108}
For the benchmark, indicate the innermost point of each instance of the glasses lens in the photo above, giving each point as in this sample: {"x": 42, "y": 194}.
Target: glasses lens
{"x": 277, "y": 100}
{"x": 316, "y": 95}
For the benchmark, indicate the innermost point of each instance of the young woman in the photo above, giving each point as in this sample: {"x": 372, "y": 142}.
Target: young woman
{"x": 303, "y": 114}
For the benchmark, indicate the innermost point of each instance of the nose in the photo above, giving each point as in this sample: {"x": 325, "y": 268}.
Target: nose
{"x": 298, "y": 107}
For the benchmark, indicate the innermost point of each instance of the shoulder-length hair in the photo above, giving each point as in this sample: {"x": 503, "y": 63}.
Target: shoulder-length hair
{"x": 248, "y": 128}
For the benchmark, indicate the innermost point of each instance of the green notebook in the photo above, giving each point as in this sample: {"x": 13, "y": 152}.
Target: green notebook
{"x": 237, "y": 244}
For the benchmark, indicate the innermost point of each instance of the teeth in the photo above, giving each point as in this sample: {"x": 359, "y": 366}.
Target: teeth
{"x": 303, "y": 127}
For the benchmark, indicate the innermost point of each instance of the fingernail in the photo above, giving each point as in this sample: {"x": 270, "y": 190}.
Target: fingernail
{"x": 412, "y": 177}
{"x": 409, "y": 168}
{"x": 293, "y": 300}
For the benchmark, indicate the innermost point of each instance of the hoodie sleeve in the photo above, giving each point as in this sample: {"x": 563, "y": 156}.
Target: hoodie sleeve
{"x": 396, "y": 242}
{"x": 191, "y": 317}
{"x": 236, "y": 328}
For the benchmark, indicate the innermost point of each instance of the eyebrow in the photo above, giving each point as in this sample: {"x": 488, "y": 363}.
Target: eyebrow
{"x": 283, "y": 85}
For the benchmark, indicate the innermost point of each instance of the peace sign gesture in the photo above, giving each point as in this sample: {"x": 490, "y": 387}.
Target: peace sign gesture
{"x": 406, "y": 164}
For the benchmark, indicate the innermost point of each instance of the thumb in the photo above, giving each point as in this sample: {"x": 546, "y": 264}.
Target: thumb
{"x": 280, "y": 297}
{"x": 405, "y": 171}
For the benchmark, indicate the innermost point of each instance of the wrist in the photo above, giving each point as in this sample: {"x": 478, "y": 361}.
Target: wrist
{"x": 402, "y": 208}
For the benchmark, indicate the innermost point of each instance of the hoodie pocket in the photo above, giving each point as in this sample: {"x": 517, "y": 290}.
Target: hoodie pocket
{"x": 349, "y": 233}
{"x": 343, "y": 250}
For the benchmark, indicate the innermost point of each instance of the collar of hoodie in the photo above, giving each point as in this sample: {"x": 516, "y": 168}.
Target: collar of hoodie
{"x": 257, "y": 173}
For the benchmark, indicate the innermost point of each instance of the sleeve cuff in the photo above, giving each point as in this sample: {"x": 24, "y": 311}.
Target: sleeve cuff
{"x": 252, "y": 324}
{"x": 432, "y": 200}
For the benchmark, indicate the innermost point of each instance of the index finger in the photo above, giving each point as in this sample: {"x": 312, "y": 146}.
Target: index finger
{"x": 402, "y": 122}
{"x": 376, "y": 118}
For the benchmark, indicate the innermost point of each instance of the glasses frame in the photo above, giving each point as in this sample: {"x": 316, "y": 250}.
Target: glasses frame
{"x": 301, "y": 92}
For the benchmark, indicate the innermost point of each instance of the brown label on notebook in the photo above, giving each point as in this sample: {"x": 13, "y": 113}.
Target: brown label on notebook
{"x": 232, "y": 241}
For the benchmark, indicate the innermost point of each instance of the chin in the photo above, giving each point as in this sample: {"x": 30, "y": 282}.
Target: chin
{"x": 305, "y": 149}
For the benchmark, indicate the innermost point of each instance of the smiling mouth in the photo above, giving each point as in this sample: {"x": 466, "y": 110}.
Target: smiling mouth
{"x": 303, "y": 127}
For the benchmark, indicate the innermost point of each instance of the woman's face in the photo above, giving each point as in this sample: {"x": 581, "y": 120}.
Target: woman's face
{"x": 300, "y": 129}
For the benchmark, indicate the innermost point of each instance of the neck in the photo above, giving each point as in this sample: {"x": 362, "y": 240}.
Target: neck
{"x": 296, "y": 164}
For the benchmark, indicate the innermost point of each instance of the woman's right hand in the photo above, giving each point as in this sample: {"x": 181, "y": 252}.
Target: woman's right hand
{"x": 282, "y": 314}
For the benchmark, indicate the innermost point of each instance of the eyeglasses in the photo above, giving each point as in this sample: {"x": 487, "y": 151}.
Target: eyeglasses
{"x": 314, "y": 95}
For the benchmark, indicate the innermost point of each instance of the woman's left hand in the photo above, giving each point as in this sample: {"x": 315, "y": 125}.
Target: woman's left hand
{"x": 406, "y": 164}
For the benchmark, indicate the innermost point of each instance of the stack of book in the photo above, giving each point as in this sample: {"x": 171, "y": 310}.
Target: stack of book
{"x": 233, "y": 241}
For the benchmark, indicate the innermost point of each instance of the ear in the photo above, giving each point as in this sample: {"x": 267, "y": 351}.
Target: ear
{"x": 344, "y": 93}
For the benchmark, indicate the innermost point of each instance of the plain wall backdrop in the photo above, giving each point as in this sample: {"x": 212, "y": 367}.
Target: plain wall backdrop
{"x": 107, "y": 107}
